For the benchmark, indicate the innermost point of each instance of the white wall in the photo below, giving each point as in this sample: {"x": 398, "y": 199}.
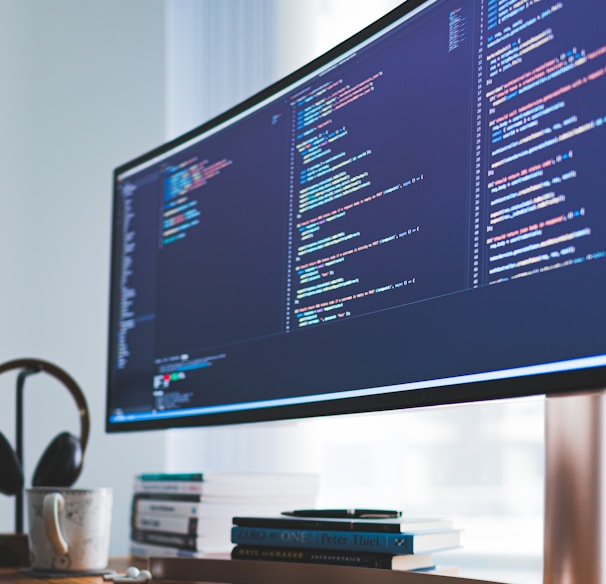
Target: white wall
{"x": 82, "y": 91}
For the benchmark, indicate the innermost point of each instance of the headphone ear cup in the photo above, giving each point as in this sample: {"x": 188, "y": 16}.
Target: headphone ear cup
{"x": 60, "y": 464}
{"x": 11, "y": 476}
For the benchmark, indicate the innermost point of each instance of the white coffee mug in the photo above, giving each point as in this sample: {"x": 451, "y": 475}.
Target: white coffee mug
{"x": 69, "y": 529}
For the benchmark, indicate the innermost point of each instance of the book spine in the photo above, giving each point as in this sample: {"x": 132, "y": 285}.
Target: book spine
{"x": 388, "y": 543}
{"x": 167, "y": 508}
{"x": 283, "y": 522}
{"x": 152, "y": 522}
{"x": 190, "y": 498}
{"x": 168, "y": 487}
{"x": 313, "y": 556}
{"x": 175, "y": 540}
{"x": 170, "y": 476}
{"x": 146, "y": 550}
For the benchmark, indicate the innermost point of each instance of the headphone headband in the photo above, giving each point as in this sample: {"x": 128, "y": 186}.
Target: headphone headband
{"x": 66, "y": 380}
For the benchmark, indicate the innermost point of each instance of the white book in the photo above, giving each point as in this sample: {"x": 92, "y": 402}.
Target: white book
{"x": 146, "y": 550}
{"x": 178, "y": 524}
{"x": 232, "y": 484}
{"x": 218, "y": 508}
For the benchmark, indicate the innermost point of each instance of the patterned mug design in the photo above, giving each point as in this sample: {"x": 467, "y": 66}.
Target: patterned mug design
{"x": 69, "y": 529}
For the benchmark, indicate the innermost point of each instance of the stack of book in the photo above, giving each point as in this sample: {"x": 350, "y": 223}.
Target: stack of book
{"x": 393, "y": 543}
{"x": 190, "y": 514}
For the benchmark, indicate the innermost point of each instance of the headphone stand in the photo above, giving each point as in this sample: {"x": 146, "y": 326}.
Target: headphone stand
{"x": 19, "y": 440}
{"x": 14, "y": 547}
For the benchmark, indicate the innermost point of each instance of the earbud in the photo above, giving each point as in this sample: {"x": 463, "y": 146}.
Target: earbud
{"x": 132, "y": 574}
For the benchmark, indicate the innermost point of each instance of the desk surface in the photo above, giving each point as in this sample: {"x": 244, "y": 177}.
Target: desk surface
{"x": 244, "y": 572}
{"x": 23, "y": 576}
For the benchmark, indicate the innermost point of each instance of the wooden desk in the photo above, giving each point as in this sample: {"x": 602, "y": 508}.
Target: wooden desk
{"x": 169, "y": 570}
{"x": 186, "y": 570}
{"x": 16, "y": 576}
{"x": 22, "y": 576}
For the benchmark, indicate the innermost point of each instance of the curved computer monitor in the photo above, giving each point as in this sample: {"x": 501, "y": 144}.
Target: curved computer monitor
{"x": 416, "y": 217}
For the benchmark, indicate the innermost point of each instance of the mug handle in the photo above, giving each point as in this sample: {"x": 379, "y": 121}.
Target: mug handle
{"x": 53, "y": 504}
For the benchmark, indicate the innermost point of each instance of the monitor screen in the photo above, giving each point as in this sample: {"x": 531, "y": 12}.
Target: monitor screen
{"x": 417, "y": 217}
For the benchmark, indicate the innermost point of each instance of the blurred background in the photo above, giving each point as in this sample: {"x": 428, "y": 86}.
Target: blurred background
{"x": 90, "y": 84}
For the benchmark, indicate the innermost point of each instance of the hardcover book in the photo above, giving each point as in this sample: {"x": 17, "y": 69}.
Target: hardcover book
{"x": 227, "y": 484}
{"x": 152, "y": 522}
{"x": 192, "y": 512}
{"x": 388, "y": 525}
{"x": 212, "y": 542}
{"x": 139, "y": 549}
{"x": 340, "y": 558}
{"x": 388, "y": 543}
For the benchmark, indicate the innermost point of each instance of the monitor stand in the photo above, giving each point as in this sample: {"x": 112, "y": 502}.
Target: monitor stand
{"x": 574, "y": 543}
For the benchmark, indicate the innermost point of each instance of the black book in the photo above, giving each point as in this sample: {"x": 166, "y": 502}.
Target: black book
{"x": 334, "y": 557}
{"x": 386, "y": 525}
{"x": 189, "y": 497}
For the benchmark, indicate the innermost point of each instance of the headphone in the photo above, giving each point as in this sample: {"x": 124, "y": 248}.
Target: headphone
{"x": 61, "y": 462}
